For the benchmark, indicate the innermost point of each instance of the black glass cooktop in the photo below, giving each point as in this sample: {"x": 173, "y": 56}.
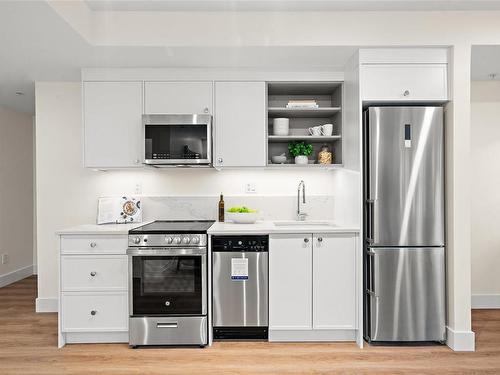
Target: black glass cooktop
{"x": 174, "y": 227}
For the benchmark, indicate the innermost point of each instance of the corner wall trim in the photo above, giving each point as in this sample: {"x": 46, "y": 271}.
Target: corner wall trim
{"x": 44, "y": 305}
{"x": 486, "y": 301}
{"x": 460, "y": 341}
{"x": 16, "y": 275}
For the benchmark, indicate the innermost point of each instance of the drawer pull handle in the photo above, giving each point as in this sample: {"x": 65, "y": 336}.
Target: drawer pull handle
{"x": 406, "y": 93}
{"x": 166, "y": 325}
{"x": 306, "y": 240}
{"x": 93, "y": 244}
{"x": 93, "y": 273}
{"x": 93, "y": 312}
{"x": 320, "y": 239}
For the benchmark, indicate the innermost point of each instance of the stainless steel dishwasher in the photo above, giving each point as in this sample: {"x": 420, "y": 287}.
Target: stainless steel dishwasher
{"x": 240, "y": 287}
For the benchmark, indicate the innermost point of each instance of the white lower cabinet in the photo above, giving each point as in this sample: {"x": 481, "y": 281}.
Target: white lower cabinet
{"x": 93, "y": 289}
{"x": 312, "y": 287}
{"x": 290, "y": 282}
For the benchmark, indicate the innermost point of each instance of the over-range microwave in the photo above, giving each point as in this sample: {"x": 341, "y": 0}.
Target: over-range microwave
{"x": 177, "y": 140}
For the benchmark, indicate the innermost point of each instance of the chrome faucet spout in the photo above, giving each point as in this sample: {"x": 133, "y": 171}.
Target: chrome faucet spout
{"x": 301, "y": 216}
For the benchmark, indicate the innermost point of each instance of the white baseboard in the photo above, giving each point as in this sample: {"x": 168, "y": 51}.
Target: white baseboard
{"x": 486, "y": 301}
{"x": 16, "y": 275}
{"x": 44, "y": 305}
{"x": 35, "y": 269}
{"x": 460, "y": 341}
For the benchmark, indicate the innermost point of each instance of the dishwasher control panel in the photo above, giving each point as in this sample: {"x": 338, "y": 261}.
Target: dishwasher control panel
{"x": 240, "y": 243}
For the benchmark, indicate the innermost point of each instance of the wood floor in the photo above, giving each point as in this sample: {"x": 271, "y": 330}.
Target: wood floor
{"x": 28, "y": 345}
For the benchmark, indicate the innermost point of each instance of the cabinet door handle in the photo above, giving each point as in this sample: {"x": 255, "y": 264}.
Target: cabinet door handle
{"x": 93, "y": 273}
{"x": 93, "y": 312}
{"x": 93, "y": 244}
{"x": 320, "y": 239}
{"x": 306, "y": 240}
{"x": 406, "y": 93}
{"x": 220, "y": 160}
{"x": 205, "y": 110}
{"x": 137, "y": 161}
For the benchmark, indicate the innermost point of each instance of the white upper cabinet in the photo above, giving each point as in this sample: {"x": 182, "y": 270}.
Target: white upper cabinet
{"x": 112, "y": 113}
{"x": 334, "y": 281}
{"x": 404, "y": 82}
{"x": 178, "y": 97}
{"x": 290, "y": 282}
{"x": 240, "y": 124}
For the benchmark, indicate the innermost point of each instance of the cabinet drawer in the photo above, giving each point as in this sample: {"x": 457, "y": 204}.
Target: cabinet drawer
{"x": 404, "y": 82}
{"x": 83, "y": 311}
{"x": 92, "y": 244}
{"x": 80, "y": 273}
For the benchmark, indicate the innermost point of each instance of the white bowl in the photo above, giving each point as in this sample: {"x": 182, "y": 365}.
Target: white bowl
{"x": 278, "y": 159}
{"x": 242, "y": 217}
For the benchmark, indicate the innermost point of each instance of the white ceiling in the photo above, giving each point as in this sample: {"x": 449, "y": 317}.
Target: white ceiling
{"x": 38, "y": 45}
{"x": 289, "y": 5}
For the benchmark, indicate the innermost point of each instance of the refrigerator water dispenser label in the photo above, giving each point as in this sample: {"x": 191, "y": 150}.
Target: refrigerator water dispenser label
{"x": 239, "y": 269}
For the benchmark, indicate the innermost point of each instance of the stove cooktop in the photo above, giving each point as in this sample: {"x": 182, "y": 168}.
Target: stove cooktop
{"x": 174, "y": 227}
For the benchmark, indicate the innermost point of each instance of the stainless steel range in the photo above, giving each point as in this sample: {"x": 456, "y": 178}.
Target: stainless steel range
{"x": 168, "y": 283}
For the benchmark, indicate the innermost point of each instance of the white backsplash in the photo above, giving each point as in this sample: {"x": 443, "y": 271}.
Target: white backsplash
{"x": 318, "y": 207}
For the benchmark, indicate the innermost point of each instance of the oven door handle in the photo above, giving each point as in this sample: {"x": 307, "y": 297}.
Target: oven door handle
{"x": 167, "y": 251}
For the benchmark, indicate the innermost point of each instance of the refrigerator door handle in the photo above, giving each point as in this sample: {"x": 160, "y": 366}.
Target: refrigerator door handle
{"x": 371, "y": 278}
{"x": 370, "y": 235}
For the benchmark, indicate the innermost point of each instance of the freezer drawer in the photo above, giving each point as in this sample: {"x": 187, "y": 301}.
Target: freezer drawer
{"x": 240, "y": 302}
{"x": 406, "y": 294}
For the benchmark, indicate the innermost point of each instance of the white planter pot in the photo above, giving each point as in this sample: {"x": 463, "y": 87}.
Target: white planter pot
{"x": 301, "y": 159}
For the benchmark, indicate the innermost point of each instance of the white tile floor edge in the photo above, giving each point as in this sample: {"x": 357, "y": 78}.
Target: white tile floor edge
{"x": 16, "y": 275}
{"x": 461, "y": 341}
{"x": 45, "y": 305}
{"x": 486, "y": 301}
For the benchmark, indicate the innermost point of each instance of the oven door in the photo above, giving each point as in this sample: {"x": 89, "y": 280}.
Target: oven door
{"x": 177, "y": 139}
{"x": 169, "y": 282}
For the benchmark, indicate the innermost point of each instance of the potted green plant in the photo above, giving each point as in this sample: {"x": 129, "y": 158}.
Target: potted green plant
{"x": 300, "y": 150}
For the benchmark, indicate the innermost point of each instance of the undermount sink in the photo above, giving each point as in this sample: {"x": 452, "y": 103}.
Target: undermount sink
{"x": 297, "y": 223}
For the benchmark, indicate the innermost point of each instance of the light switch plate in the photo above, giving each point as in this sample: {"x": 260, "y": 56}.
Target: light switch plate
{"x": 250, "y": 188}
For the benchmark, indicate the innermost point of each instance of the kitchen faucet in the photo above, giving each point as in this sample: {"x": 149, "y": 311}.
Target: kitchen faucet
{"x": 301, "y": 216}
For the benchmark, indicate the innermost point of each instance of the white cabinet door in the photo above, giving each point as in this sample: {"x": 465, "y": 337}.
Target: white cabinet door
{"x": 290, "y": 282}
{"x": 177, "y": 97}
{"x": 240, "y": 124}
{"x": 113, "y": 124}
{"x": 404, "y": 82}
{"x": 334, "y": 281}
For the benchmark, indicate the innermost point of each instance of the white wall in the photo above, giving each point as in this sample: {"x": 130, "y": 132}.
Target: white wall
{"x": 16, "y": 194}
{"x": 67, "y": 193}
{"x": 485, "y": 139}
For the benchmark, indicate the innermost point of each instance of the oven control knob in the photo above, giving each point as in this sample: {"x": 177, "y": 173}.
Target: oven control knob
{"x": 186, "y": 240}
{"x": 169, "y": 240}
{"x": 195, "y": 240}
{"x": 137, "y": 240}
{"x": 177, "y": 240}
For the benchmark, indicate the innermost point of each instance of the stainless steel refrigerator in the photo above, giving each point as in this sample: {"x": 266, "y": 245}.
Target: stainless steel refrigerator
{"x": 404, "y": 223}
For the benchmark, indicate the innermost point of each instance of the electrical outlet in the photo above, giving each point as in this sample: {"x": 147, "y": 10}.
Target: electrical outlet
{"x": 138, "y": 188}
{"x": 250, "y": 188}
{"x": 5, "y": 258}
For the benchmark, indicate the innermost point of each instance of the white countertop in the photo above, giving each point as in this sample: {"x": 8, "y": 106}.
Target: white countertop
{"x": 100, "y": 229}
{"x": 260, "y": 227}
{"x": 268, "y": 227}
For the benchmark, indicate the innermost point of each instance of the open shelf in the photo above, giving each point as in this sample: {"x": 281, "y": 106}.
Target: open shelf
{"x": 321, "y": 112}
{"x": 311, "y": 138}
{"x": 328, "y": 96}
{"x": 317, "y": 166}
